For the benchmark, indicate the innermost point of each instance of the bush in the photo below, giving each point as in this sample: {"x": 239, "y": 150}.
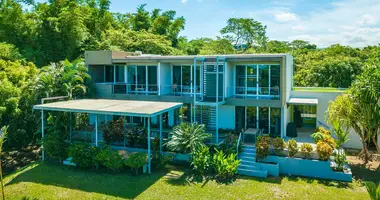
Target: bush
{"x": 306, "y": 150}
{"x": 112, "y": 160}
{"x": 262, "y": 147}
{"x": 187, "y": 137}
{"x": 55, "y": 146}
{"x": 292, "y": 147}
{"x": 113, "y": 131}
{"x": 229, "y": 144}
{"x": 83, "y": 154}
{"x": 324, "y": 150}
{"x": 201, "y": 161}
{"x": 278, "y": 145}
{"x": 324, "y": 135}
{"x": 225, "y": 166}
{"x": 159, "y": 160}
{"x": 339, "y": 159}
{"x": 136, "y": 161}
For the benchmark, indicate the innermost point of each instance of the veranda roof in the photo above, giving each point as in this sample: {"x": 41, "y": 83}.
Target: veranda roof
{"x": 111, "y": 107}
{"x": 302, "y": 101}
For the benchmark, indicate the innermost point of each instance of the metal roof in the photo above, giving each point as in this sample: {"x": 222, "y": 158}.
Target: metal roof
{"x": 302, "y": 101}
{"x": 111, "y": 107}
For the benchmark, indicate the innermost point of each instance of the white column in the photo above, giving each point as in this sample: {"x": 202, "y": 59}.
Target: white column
{"x": 146, "y": 80}
{"x": 71, "y": 126}
{"x": 43, "y": 134}
{"x": 149, "y": 170}
{"x": 114, "y": 74}
{"x": 217, "y": 124}
{"x": 96, "y": 130}
{"x": 161, "y": 133}
{"x": 125, "y": 129}
{"x": 159, "y": 78}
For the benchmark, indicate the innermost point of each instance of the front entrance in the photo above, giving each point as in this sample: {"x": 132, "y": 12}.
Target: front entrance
{"x": 305, "y": 119}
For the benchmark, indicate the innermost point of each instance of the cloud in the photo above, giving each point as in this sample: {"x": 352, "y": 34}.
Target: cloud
{"x": 184, "y": 1}
{"x": 285, "y": 16}
{"x": 348, "y": 22}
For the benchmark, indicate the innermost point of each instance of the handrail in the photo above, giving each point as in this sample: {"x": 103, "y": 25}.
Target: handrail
{"x": 238, "y": 144}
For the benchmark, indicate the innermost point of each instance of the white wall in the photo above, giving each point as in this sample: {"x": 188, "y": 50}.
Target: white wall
{"x": 226, "y": 117}
{"x": 323, "y": 101}
{"x": 165, "y": 78}
{"x": 229, "y": 79}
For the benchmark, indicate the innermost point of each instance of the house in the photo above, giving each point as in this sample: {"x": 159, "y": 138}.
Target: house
{"x": 245, "y": 91}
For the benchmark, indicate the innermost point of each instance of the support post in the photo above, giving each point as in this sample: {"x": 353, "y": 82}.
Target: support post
{"x": 71, "y": 124}
{"x": 125, "y": 130}
{"x": 160, "y": 133}
{"x": 43, "y": 134}
{"x": 149, "y": 170}
{"x": 96, "y": 130}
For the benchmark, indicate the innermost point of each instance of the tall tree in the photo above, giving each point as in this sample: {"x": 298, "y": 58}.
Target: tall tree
{"x": 245, "y": 32}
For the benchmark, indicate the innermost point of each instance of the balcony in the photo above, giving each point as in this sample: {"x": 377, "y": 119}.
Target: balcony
{"x": 263, "y": 93}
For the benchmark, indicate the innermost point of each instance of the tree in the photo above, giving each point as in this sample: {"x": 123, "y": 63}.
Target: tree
{"x": 245, "y": 32}
{"x": 3, "y": 134}
{"x": 187, "y": 137}
{"x": 220, "y": 46}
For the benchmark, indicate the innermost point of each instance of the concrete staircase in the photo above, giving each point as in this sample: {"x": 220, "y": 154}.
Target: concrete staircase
{"x": 248, "y": 165}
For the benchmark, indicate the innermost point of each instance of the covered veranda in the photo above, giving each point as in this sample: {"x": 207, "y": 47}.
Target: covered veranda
{"x": 124, "y": 108}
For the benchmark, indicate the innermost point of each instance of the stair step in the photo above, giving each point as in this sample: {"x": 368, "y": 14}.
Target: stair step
{"x": 247, "y": 158}
{"x": 248, "y": 154}
{"x": 249, "y": 150}
{"x": 249, "y": 167}
{"x": 255, "y": 173}
{"x": 248, "y": 162}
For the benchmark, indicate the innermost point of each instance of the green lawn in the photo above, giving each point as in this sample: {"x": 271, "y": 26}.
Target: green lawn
{"x": 49, "y": 181}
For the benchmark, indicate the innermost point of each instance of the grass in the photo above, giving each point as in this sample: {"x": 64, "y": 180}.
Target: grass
{"x": 50, "y": 181}
{"x": 318, "y": 89}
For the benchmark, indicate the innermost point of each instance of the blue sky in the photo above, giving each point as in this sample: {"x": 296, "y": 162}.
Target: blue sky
{"x": 323, "y": 22}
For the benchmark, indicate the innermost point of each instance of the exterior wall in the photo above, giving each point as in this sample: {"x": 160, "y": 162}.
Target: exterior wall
{"x": 165, "y": 78}
{"x": 227, "y": 117}
{"x": 98, "y": 57}
{"x": 323, "y": 100}
{"x": 230, "y": 77}
{"x": 103, "y": 90}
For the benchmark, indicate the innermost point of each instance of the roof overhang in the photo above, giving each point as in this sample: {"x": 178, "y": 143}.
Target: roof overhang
{"x": 302, "y": 101}
{"x": 111, "y": 107}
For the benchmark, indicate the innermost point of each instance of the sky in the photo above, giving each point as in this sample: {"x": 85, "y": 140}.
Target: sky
{"x": 322, "y": 22}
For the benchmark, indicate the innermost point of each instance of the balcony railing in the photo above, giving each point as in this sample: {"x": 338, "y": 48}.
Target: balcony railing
{"x": 144, "y": 89}
{"x": 262, "y": 92}
{"x": 178, "y": 90}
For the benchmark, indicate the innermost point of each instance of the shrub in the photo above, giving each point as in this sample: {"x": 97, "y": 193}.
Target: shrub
{"x": 159, "y": 160}
{"x": 83, "y": 154}
{"x": 187, "y": 137}
{"x": 324, "y": 150}
{"x": 113, "y": 131}
{"x": 278, "y": 144}
{"x": 132, "y": 138}
{"x": 225, "y": 166}
{"x": 201, "y": 161}
{"x": 136, "y": 161}
{"x": 324, "y": 136}
{"x": 339, "y": 159}
{"x": 292, "y": 147}
{"x": 262, "y": 147}
{"x": 229, "y": 144}
{"x": 306, "y": 150}
{"x": 112, "y": 160}
{"x": 55, "y": 146}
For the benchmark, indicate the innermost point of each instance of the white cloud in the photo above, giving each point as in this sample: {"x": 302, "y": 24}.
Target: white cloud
{"x": 285, "y": 16}
{"x": 184, "y": 1}
{"x": 348, "y": 22}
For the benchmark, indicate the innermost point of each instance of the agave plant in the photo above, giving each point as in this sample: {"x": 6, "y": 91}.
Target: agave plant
{"x": 187, "y": 137}
{"x": 373, "y": 190}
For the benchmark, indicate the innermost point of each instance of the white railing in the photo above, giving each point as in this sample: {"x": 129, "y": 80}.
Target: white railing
{"x": 123, "y": 88}
{"x": 178, "y": 90}
{"x": 273, "y": 92}
{"x": 238, "y": 144}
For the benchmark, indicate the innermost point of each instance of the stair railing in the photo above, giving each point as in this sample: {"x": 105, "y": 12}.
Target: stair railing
{"x": 238, "y": 144}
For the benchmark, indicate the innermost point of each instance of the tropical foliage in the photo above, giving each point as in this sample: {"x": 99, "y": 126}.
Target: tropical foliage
{"x": 187, "y": 137}
{"x": 373, "y": 190}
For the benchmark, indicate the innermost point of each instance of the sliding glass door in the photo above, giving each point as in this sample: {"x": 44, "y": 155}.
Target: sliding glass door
{"x": 142, "y": 79}
{"x": 265, "y": 118}
{"x": 182, "y": 76}
{"x": 258, "y": 80}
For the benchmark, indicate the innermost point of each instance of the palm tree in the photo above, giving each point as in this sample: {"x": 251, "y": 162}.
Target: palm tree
{"x": 373, "y": 190}
{"x": 187, "y": 137}
{"x": 46, "y": 84}
{"x": 3, "y": 134}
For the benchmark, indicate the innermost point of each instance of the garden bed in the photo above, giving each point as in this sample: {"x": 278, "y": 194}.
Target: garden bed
{"x": 308, "y": 168}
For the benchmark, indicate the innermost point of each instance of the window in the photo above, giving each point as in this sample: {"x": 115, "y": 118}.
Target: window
{"x": 108, "y": 72}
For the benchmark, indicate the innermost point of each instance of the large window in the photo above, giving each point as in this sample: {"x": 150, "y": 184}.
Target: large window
{"x": 142, "y": 79}
{"x": 258, "y": 80}
{"x": 108, "y": 74}
{"x": 182, "y": 78}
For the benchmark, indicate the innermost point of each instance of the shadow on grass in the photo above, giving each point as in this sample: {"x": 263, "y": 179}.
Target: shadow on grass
{"x": 270, "y": 179}
{"x": 361, "y": 172}
{"x": 329, "y": 183}
{"x": 122, "y": 184}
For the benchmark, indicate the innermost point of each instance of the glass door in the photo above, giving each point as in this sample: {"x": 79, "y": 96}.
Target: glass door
{"x": 251, "y": 79}
{"x": 263, "y": 80}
